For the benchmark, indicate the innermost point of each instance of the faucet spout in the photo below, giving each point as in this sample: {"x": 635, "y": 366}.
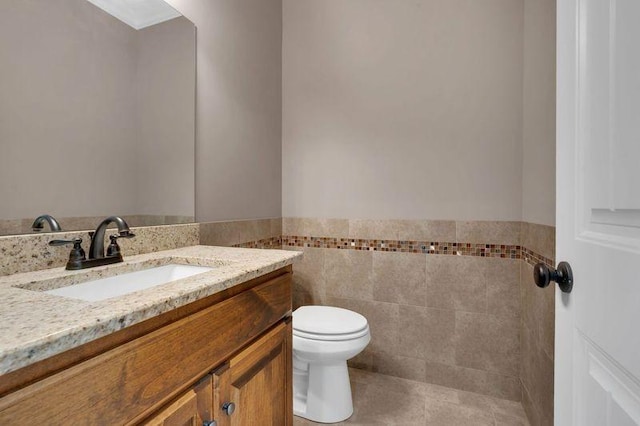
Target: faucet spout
{"x": 96, "y": 251}
{"x": 38, "y": 224}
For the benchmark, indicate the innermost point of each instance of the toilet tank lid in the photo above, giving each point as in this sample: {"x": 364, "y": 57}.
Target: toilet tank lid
{"x": 327, "y": 320}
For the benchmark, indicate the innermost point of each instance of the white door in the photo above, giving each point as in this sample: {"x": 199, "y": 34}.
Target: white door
{"x": 597, "y": 371}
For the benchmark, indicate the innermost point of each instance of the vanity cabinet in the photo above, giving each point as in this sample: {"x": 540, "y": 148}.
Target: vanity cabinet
{"x": 179, "y": 368}
{"x": 252, "y": 382}
{"x": 195, "y": 407}
{"x": 247, "y": 390}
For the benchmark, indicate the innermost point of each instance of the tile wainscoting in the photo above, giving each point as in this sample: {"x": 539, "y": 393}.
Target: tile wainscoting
{"x": 256, "y": 233}
{"x": 537, "y": 328}
{"x": 450, "y": 303}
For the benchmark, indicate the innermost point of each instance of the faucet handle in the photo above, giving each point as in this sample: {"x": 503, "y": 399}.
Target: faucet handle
{"x": 57, "y": 243}
{"x": 77, "y": 255}
{"x": 121, "y": 234}
{"x": 114, "y": 248}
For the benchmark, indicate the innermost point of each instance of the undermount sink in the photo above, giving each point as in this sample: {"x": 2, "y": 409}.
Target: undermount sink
{"x": 119, "y": 285}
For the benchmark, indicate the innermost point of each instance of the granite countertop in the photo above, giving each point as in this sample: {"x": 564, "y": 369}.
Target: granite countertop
{"x": 36, "y": 325}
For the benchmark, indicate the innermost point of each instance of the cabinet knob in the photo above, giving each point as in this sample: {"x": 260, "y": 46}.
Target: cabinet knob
{"x": 209, "y": 423}
{"x": 228, "y": 408}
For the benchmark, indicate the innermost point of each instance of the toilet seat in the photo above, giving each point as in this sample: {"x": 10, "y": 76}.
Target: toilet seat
{"x": 331, "y": 337}
{"x": 328, "y": 323}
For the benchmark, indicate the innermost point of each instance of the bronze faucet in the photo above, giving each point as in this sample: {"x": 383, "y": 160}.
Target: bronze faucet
{"x": 96, "y": 251}
{"x": 38, "y": 223}
{"x": 77, "y": 257}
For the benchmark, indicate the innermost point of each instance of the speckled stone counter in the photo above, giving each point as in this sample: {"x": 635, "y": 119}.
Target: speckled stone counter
{"x": 35, "y": 325}
{"x": 32, "y": 252}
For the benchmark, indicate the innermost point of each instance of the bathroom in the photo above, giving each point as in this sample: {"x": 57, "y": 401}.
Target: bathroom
{"x": 396, "y": 159}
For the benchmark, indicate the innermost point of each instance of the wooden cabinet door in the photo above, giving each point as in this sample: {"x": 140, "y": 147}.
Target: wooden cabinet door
{"x": 191, "y": 409}
{"x": 257, "y": 382}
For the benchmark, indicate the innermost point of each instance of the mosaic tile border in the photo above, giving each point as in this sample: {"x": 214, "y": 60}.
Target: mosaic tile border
{"x": 532, "y": 258}
{"x": 504, "y": 251}
{"x": 407, "y": 246}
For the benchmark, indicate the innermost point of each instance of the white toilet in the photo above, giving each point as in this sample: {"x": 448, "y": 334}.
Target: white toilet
{"x": 324, "y": 338}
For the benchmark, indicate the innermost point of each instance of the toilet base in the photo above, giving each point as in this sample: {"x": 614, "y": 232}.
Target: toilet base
{"x": 322, "y": 392}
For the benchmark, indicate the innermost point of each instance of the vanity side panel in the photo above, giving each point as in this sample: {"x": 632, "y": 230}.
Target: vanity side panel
{"x": 289, "y": 373}
{"x": 135, "y": 379}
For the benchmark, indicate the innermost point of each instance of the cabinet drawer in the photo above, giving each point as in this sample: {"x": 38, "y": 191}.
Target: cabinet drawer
{"x": 127, "y": 383}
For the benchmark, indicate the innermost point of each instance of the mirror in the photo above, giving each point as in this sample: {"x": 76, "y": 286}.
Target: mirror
{"x": 97, "y": 113}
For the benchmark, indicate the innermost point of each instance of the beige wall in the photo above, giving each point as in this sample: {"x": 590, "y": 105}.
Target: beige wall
{"x": 408, "y": 110}
{"x": 96, "y": 117}
{"x": 539, "y": 113}
{"x": 56, "y": 118}
{"x": 238, "y": 112}
{"x": 166, "y": 84}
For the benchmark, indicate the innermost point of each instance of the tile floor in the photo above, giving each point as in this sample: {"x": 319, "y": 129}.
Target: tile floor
{"x": 391, "y": 401}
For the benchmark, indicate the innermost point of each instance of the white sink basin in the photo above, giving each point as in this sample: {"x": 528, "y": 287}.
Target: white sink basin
{"x": 106, "y": 288}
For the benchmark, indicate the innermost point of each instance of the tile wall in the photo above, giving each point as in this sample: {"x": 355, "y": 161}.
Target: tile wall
{"x": 473, "y": 321}
{"x": 452, "y": 320}
{"x": 461, "y": 318}
{"x": 537, "y": 328}
{"x": 258, "y": 233}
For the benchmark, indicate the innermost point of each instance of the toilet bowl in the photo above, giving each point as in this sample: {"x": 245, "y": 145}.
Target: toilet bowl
{"x": 324, "y": 338}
